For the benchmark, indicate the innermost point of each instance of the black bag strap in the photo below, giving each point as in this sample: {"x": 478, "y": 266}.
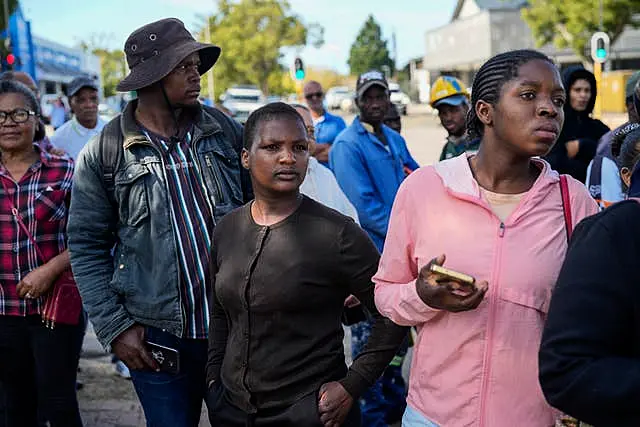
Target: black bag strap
{"x": 595, "y": 179}
{"x": 227, "y": 126}
{"x": 111, "y": 151}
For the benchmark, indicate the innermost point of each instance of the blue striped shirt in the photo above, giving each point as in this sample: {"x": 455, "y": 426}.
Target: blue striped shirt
{"x": 192, "y": 220}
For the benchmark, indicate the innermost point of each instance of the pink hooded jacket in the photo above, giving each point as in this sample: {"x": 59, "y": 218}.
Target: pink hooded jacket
{"x": 477, "y": 368}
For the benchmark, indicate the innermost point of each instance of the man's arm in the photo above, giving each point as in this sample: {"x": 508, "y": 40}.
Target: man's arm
{"x": 218, "y": 328}
{"x": 353, "y": 177}
{"x": 322, "y": 152}
{"x": 91, "y": 231}
{"x": 359, "y": 261}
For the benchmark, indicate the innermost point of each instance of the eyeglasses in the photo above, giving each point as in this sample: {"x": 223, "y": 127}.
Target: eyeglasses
{"x": 314, "y": 94}
{"x": 19, "y": 115}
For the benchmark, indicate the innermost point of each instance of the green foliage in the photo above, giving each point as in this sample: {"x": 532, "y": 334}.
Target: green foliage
{"x": 570, "y": 23}
{"x": 113, "y": 69}
{"x": 113, "y": 65}
{"x": 251, "y": 34}
{"x": 12, "y": 6}
{"x": 369, "y": 51}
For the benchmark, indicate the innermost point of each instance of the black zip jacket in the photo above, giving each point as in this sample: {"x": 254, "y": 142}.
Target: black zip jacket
{"x": 590, "y": 351}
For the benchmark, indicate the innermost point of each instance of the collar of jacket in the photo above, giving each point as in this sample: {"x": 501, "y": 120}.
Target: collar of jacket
{"x": 459, "y": 181}
{"x": 205, "y": 124}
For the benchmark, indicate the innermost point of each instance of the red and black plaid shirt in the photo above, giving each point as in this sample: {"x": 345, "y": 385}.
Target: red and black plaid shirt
{"x": 42, "y": 198}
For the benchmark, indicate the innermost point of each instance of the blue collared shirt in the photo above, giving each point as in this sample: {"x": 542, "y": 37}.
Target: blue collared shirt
{"x": 327, "y": 129}
{"x": 370, "y": 174}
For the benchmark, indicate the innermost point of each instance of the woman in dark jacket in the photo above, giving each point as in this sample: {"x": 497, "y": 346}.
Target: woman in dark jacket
{"x": 282, "y": 267}
{"x": 590, "y": 353}
{"x": 578, "y": 141}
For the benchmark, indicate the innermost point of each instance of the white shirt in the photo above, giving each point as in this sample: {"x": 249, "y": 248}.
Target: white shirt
{"x": 72, "y": 136}
{"x": 321, "y": 186}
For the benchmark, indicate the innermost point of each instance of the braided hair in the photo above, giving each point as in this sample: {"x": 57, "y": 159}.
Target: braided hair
{"x": 625, "y": 147}
{"x": 489, "y": 80}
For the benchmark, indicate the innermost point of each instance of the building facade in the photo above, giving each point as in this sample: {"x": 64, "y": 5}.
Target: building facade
{"x": 51, "y": 64}
{"x": 480, "y": 29}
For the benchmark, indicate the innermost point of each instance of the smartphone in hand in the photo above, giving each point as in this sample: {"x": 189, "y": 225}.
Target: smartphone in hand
{"x": 167, "y": 358}
{"x": 452, "y": 275}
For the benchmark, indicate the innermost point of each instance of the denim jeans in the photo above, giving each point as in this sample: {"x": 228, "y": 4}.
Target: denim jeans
{"x": 413, "y": 418}
{"x": 173, "y": 400}
{"x": 384, "y": 402}
{"x": 38, "y": 369}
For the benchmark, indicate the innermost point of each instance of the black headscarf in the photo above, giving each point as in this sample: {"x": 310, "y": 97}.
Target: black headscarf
{"x": 578, "y": 125}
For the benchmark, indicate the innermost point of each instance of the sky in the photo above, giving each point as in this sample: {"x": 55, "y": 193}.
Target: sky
{"x": 70, "y": 21}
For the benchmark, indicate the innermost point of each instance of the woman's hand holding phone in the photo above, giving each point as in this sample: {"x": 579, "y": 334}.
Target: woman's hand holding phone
{"x": 450, "y": 292}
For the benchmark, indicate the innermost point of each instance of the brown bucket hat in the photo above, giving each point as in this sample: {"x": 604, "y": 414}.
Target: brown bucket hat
{"x": 156, "y": 49}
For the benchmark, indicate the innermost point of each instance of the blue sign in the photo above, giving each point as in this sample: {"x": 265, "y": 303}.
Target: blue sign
{"x": 22, "y": 43}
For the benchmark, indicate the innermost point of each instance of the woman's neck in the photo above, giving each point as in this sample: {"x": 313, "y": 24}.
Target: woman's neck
{"x": 268, "y": 210}
{"x": 500, "y": 171}
{"x": 18, "y": 162}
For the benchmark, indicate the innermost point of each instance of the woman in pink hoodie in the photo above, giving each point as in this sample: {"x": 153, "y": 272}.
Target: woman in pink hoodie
{"x": 501, "y": 217}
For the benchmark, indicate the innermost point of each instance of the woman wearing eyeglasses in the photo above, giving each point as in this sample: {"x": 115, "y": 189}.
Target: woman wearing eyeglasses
{"x": 37, "y": 364}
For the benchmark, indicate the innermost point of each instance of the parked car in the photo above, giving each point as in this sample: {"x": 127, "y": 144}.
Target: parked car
{"x": 242, "y": 100}
{"x": 335, "y": 95}
{"x": 348, "y": 104}
{"x": 398, "y": 98}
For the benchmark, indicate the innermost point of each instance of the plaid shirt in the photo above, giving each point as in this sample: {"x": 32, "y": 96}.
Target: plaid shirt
{"x": 42, "y": 198}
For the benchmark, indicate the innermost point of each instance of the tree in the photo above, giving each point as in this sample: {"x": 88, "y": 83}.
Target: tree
{"x": 369, "y": 51}
{"x": 113, "y": 66}
{"x": 570, "y": 23}
{"x": 12, "y": 5}
{"x": 251, "y": 34}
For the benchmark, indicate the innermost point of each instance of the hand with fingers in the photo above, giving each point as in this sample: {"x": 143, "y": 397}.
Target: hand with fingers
{"x": 37, "y": 283}
{"x": 334, "y": 404}
{"x": 129, "y": 347}
{"x": 444, "y": 293}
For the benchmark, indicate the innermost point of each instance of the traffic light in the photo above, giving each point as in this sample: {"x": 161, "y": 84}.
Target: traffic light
{"x": 600, "y": 47}
{"x": 11, "y": 59}
{"x": 298, "y": 69}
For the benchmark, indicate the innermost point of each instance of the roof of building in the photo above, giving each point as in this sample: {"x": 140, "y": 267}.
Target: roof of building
{"x": 491, "y": 5}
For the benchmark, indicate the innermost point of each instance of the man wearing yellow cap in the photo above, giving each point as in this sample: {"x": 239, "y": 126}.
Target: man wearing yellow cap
{"x": 450, "y": 97}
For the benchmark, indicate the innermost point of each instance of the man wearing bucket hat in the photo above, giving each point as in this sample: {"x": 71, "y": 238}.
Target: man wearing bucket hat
{"x": 147, "y": 193}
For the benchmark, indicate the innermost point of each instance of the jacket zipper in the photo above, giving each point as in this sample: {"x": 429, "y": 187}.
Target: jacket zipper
{"x": 493, "y": 302}
{"x": 219, "y": 199}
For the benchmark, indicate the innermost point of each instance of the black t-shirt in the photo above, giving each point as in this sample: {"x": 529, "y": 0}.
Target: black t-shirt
{"x": 590, "y": 351}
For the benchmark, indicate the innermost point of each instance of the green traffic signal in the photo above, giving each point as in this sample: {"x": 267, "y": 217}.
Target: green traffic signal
{"x": 299, "y": 74}
{"x": 601, "y": 53}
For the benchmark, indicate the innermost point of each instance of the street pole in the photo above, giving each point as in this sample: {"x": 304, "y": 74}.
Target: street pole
{"x": 597, "y": 73}
{"x": 207, "y": 38}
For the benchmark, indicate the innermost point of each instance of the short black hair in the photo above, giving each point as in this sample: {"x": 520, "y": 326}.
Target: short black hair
{"x": 490, "y": 79}
{"x": 14, "y": 86}
{"x": 272, "y": 111}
